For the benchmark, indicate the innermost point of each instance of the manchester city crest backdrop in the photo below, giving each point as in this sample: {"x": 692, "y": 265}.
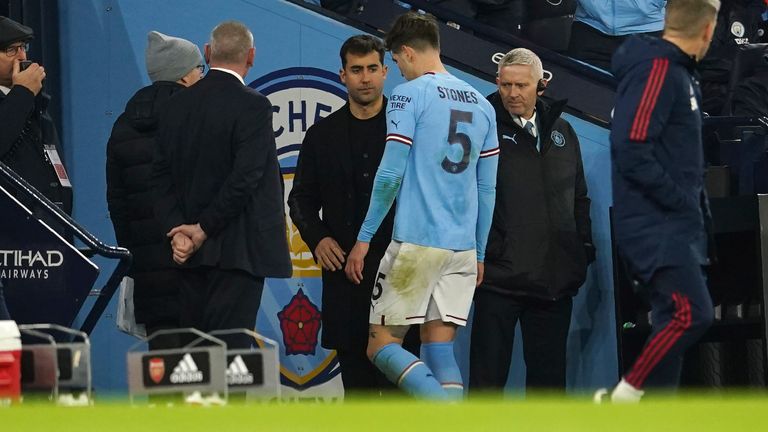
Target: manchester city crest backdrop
{"x": 297, "y": 62}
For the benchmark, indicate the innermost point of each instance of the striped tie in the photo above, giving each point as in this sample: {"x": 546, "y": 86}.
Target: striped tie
{"x": 530, "y": 128}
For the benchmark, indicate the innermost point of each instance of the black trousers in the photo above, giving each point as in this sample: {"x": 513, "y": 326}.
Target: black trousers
{"x": 4, "y": 314}
{"x": 163, "y": 341}
{"x": 216, "y": 299}
{"x": 360, "y": 376}
{"x": 544, "y": 326}
{"x": 681, "y": 311}
{"x": 592, "y": 46}
{"x": 507, "y": 16}
{"x": 156, "y": 305}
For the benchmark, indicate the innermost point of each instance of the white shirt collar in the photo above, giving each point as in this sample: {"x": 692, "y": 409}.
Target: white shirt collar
{"x": 231, "y": 72}
{"x": 5, "y": 90}
{"x": 521, "y": 121}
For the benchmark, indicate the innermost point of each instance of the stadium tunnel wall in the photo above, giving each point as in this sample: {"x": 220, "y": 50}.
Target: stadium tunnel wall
{"x": 102, "y": 64}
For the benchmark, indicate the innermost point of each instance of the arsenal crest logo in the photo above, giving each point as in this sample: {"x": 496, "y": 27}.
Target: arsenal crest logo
{"x": 300, "y": 323}
{"x": 156, "y": 369}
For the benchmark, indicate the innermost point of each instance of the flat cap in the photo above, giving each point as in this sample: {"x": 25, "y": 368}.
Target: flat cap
{"x": 11, "y": 31}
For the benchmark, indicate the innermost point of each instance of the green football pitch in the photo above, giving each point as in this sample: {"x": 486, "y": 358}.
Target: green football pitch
{"x": 683, "y": 413}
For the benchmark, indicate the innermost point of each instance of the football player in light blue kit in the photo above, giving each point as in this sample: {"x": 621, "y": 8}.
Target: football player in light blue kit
{"x": 440, "y": 163}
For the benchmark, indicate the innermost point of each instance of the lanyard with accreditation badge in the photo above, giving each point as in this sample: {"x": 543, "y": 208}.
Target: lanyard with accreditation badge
{"x": 53, "y": 157}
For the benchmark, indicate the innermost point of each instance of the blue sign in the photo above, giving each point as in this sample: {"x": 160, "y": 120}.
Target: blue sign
{"x": 291, "y": 308}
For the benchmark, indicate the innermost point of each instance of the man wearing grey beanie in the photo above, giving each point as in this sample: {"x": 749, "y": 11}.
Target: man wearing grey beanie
{"x": 173, "y": 64}
{"x": 172, "y": 59}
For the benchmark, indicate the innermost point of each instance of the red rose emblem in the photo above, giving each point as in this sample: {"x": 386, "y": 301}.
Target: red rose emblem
{"x": 300, "y": 324}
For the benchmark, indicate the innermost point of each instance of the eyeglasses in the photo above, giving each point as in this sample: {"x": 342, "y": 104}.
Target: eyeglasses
{"x": 201, "y": 68}
{"x": 14, "y": 49}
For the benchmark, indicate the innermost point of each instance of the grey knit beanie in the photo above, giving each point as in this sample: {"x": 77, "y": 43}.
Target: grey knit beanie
{"x": 170, "y": 58}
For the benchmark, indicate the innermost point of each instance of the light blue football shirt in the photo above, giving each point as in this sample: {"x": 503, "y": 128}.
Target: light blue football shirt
{"x": 440, "y": 163}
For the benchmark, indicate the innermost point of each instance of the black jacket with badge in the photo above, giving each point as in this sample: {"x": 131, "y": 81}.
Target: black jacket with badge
{"x": 541, "y": 239}
{"x": 26, "y": 129}
{"x": 324, "y": 182}
{"x": 737, "y": 25}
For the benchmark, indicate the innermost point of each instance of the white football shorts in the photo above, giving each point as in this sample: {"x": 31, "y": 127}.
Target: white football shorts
{"x": 416, "y": 284}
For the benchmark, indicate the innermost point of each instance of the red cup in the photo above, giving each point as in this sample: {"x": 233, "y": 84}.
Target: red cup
{"x": 10, "y": 362}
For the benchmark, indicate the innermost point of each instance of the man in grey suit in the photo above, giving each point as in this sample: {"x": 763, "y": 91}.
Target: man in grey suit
{"x": 218, "y": 184}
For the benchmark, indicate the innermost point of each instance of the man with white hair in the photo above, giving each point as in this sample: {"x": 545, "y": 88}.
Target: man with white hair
{"x": 660, "y": 205}
{"x": 540, "y": 241}
{"x": 217, "y": 182}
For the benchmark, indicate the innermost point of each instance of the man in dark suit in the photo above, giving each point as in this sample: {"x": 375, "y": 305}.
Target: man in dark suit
{"x": 217, "y": 182}
{"x": 334, "y": 173}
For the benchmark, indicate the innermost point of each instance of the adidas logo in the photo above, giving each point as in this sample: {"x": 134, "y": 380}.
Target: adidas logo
{"x": 186, "y": 371}
{"x": 237, "y": 372}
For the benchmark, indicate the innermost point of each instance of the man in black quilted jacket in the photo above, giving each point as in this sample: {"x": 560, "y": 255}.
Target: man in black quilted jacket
{"x": 173, "y": 64}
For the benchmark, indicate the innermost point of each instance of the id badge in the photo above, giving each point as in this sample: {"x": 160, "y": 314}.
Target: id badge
{"x": 58, "y": 166}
